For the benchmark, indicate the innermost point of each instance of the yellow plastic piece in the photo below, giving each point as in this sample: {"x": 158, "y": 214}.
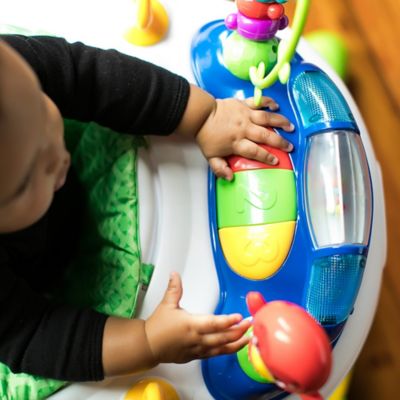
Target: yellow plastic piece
{"x": 152, "y": 389}
{"x": 341, "y": 391}
{"x": 151, "y": 25}
{"x": 143, "y": 14}
{"x": 259, "y": 365}
{"x": 257, "y": 251}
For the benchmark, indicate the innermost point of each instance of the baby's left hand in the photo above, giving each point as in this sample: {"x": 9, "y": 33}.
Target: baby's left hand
{"x": 236, "y": 127}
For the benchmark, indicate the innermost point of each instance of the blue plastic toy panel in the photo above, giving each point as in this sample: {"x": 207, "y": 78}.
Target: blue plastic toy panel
{"x": 323, "y": 268}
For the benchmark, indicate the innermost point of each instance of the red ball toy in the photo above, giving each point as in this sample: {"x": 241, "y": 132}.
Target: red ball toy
{"x": 293, "y": 346}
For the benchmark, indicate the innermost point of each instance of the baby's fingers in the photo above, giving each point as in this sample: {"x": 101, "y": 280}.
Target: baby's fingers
{"x": 265, "y": 102}
{"x": 229, "y": 348}
{"x": 227, "y": 336}
{"x": 208, "y": 324}
{"x": 225, "y": 348}
{"x": 262, "y": 135}
{"x": 264, "y": 118}
{"x": 248, "y": 149}
{"x": 220, "y": 168}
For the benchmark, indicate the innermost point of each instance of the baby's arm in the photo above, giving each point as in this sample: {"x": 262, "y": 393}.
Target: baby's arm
{"x": 170, "y": 335}
{"x": 132, "y": 96}
{"x": 230, "y": 126}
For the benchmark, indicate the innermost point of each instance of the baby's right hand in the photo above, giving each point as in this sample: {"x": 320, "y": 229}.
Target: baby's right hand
{"x": 237, "y": 127}
{"x": 175, "y": 336}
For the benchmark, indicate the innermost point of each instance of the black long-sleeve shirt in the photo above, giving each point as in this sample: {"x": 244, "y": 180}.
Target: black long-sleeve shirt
{"x": 123, "y": 93}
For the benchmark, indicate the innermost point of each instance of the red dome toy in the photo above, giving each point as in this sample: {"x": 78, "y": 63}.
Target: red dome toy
{"x": 294, "y": 348}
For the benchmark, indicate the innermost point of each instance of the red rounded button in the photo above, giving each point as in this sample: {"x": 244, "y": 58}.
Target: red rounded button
{"x": 253, "y": 9}
{"x": 237, "y": 163}
{"x": 275, "y": 11}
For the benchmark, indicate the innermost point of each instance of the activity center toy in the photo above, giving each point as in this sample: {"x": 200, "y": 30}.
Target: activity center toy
{"x": 298, "y": 247}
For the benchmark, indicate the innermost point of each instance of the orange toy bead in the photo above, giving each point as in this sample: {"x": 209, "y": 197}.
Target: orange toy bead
{"x": 275, "y": 11}
{"x": 253, "y": 9}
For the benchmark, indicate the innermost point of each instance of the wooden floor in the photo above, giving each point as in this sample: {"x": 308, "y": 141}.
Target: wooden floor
{"x": 371, "y": 29}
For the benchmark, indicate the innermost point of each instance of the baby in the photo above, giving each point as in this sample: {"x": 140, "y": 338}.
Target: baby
{"x": 43, "y": 79}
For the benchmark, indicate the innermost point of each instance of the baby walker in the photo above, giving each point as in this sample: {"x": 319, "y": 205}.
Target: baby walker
{"x": 297, "y": 247}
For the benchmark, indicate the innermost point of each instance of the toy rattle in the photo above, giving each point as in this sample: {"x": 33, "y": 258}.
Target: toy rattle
{"x": 252, "y": 50}
{"x": 288, "y": 346}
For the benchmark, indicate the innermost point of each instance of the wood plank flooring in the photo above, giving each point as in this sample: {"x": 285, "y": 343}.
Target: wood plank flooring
{"x": 372, "y": 29}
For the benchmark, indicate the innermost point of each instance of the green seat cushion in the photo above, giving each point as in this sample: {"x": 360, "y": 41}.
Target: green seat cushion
{"x": 107, "y": 274}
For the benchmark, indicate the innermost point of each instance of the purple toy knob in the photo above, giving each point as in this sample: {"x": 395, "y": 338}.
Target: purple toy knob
{"x": 257, "y": 29}
{"x": 231, "y": 21}
{"x": 283, "y": 22}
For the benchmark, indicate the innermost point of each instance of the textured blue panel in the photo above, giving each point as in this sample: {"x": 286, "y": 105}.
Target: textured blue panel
{"x": 319, "y": 100}
{"x": 333, "y": 288}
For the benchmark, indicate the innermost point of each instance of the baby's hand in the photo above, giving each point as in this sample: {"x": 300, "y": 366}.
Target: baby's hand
{"x": 176, "y": 336}
{"x": 236, "y": 127}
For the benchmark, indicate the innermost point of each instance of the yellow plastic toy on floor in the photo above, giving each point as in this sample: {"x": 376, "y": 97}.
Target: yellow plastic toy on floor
{"x": 151, "y": 23}
{"x": 152, "y": 389}
{"x": 340, "y": 392}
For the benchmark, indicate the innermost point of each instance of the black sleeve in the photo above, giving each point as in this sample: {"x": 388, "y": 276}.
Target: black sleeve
{"x": 45, "y": 339}
{"x": 115, "y": 90}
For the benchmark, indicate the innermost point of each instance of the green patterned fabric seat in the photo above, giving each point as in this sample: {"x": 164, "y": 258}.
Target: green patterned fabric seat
{"x": 107, "y": 275}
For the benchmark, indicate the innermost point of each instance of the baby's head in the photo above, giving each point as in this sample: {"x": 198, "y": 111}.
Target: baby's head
{"x": 33, "y": 158}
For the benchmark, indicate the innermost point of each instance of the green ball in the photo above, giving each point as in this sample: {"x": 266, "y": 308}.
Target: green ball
{"x": 240, "y": 54}
{"x": 247, "y": 366}
{"x": 332, "y": 48}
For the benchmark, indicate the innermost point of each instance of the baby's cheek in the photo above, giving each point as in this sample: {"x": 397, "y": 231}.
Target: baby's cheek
{"x": 28, "y": 210}
{"x": 55, "y": 126}
{"x": 41, "y": 198}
